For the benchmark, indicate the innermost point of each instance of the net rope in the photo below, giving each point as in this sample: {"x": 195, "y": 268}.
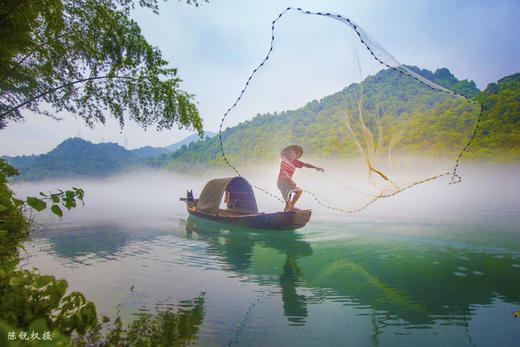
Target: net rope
{"x": 384, "y": 58}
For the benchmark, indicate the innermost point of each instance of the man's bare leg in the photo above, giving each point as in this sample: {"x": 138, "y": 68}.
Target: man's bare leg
{"x": 295, "y": 198}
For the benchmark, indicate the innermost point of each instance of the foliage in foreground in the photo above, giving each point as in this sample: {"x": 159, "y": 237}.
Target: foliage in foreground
{"x": 87, "y": 57}
{"x": 164, "y": 327}
{"x": 28, "y": 298}
{"x": 84, "y": 57}
{"x": 32, "y": 305}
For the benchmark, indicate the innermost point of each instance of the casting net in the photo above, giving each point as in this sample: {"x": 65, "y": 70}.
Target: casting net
{"x": 386, "y": 128}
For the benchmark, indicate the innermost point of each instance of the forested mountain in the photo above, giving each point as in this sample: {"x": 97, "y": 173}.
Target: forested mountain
{"x": 428, "y": 123}
{"x": 500, "y": 126}
{"x": 187, "y": 141}
{"x": 445, "y": 78}
{"x": 78, "y": 157}
{"x": 149, "y": 151}
{"x": 75, "y": 157}
{"x": 424, "y": 119}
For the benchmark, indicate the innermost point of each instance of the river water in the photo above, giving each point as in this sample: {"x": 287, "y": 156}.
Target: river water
{"x": 438, "y": 265}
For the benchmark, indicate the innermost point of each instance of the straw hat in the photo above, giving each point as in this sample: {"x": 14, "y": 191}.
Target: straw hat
{"x": 297, "y": 149}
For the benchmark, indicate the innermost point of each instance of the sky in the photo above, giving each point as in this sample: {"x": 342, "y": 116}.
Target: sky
{"x": 217, "y": 45}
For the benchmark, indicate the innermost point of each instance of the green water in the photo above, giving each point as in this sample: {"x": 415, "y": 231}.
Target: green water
{"x": 356, "y": 281}
{"x": 438, "y": 265}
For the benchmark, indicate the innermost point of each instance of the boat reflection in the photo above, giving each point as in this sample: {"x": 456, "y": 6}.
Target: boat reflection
{"x": 400, "y": 279}
{"x": 235, "y": 246}
{"x": 417, "y": 281}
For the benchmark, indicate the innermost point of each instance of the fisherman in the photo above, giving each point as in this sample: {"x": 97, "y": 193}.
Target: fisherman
{"x": 290, "y": 162}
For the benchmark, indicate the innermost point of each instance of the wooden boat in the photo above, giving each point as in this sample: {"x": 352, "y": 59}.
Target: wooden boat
{"x": 241, "y": 206}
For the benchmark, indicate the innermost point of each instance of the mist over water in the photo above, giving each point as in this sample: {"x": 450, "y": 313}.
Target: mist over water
{"x": 437, "y": 262}
{"x": 155, "y": 194}
{"x": 486, "y": 197}
{"x": 147, "y": 197}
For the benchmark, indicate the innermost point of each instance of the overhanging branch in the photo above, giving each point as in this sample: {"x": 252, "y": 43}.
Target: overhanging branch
{"x": 52, "y": 90}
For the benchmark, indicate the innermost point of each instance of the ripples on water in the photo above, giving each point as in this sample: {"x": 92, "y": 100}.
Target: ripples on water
{"x": 442, "y": 275}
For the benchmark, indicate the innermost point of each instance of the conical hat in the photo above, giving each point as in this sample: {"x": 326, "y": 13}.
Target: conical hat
{"x": 297, "y": 149}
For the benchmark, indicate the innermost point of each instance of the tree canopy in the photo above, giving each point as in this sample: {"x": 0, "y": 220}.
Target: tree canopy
{"x": 88, "y": 58}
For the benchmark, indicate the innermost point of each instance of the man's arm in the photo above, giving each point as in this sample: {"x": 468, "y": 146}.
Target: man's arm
{"x": 310, "y": 166}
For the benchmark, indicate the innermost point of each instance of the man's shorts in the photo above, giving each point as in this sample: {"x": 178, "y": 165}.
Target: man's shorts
{"x": 287, "y": 188}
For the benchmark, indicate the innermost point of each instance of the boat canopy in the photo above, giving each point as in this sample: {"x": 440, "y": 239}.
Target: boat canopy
{"x": 238, "y": 193}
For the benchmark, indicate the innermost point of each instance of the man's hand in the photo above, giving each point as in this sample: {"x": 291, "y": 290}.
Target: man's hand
{"x": 320, "y": 169}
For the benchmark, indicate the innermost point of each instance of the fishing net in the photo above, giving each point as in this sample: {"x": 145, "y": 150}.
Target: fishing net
{"x": 386, "y": 128}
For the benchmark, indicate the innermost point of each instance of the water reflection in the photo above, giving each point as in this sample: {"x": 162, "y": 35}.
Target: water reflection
{"x": 96, "y": 241}
{"x": 167, "y": 327}
{"x": 235, "y": 245}
{"x": 99, "y": 241}
{"x": 386, "y": 280}
{"x": 294, "y": 304}
{"x": 416, "y": 280}
{"x": 172, "y": 325}
{"x": 413, "y": 281}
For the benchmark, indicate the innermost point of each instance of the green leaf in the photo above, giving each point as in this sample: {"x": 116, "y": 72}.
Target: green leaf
{"x": 69, "y": 201}
{"x": 37, "y": 204}
{"x": 2, "y": 208}
{"x": 17, "y": 202}
{"x": 79, "y": 193}
{"x": 55, "y": 198}
{"x": 56, "y": 210}
{"x": 16, "y": 281}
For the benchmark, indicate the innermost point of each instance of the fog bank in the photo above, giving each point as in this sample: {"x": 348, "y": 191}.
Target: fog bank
{"x": 151, "y": 198}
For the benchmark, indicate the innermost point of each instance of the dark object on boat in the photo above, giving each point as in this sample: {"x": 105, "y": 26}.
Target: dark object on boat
{"x": 241, "y": 206}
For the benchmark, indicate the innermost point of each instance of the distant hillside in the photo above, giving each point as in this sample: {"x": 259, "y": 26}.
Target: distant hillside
{"x": 149, "y": 151}
{"x": 445, "y": 78}
{"x": 428, "y": 123}
{"x": 188, "y": 140}
{"x": 78, "y": 157}
{"x": 75, "y": 157}
{"x": 500, "y": 126}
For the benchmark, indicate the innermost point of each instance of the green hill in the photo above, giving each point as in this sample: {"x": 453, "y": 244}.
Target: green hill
{"x": 149, "y": 151}
{"x": 75, "y": 157}
{"x": 500, "y": 126}
{"x": 188, "y": 140}
{"x": 429, "y": 124}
